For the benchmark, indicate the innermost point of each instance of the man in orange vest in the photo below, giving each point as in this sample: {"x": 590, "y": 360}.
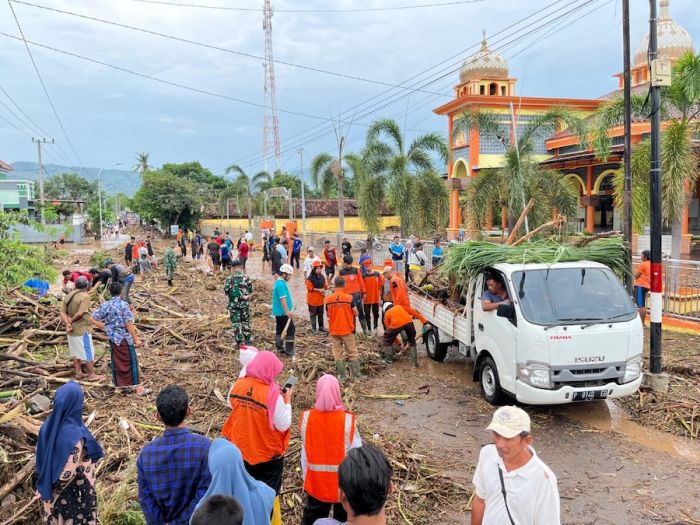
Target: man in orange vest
{"x": 399, "y": 320}
{"x": 260, "y": 419}
{"x": 328, "y": 432}
{"x": 372, "y": 281}
{"x": 355, "y": 286}
{"x": 399, "y": 292}
{"x": 341, "y": 327}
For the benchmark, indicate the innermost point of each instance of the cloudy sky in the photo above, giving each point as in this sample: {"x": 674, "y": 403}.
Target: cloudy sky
{"x": 569, "y": 49}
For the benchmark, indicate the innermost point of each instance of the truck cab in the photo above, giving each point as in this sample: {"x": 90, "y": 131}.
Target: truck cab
{"x": 568, "y": 333}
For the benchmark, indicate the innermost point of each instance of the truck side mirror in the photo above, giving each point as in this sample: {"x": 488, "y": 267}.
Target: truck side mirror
{"x": 506, "y": 310}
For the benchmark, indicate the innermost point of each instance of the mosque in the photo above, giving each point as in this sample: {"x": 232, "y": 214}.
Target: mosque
{"x": 485, "y": 84}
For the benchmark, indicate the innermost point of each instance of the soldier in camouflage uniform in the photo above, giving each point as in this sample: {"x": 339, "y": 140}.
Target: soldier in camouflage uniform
{"x": 170, "y": 261}
{"x": 239, "y": 289}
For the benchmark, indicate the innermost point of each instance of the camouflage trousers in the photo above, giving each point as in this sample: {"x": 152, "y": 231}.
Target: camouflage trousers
{"x": 240, "y": 321}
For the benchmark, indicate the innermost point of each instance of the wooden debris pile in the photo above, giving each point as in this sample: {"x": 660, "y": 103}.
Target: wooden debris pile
{"x": 187, "y": 341}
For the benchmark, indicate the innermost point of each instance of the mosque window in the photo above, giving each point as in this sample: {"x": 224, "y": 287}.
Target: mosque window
{"x": 493, "y": 89}
{"x": 503, "y": 91}
{"x": 482, "y": 90}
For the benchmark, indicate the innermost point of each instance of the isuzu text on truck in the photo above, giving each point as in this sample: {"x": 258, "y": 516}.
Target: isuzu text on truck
{"x": 571, "y": 333}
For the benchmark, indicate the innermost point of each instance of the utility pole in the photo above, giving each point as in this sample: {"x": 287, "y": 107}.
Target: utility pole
{"x": 627, "y": 201}
{"x": 655, "y": 206}
{"x": 39, "y": 142}
{"x": 303, "y": 198}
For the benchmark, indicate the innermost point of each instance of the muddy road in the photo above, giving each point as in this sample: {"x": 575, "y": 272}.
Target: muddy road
{"x": 610, "y": 469}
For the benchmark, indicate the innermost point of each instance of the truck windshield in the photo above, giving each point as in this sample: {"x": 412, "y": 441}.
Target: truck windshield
{"x": 571, "y": 295}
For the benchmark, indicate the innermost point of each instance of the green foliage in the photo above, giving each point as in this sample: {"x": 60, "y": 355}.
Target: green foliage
{"x": 678, "y": 160}
{"x": 98, "y": 258}
{"x": 520, "y": 178}
{"x": 19, "y": 262}
{"x": 70, "y": 186}
{"x": 468, "y": 259}
{"x": 195, "y": 172}
{"x": 406, "y": 174}
{"x": 141, "y": 165}
{"x": 168, "y": 198}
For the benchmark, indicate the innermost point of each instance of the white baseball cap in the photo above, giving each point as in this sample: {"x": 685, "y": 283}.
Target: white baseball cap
{"x": 387, "y": 269}
{"x": 509, "y": 421}
{"x": 287, "y": 268}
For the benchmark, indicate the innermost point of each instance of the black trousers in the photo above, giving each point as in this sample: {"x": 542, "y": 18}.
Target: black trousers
{"x": 316, "y": 510}
{"x": 294, "y": 257}
{"x": 286, "y": 346}
{"x": 374, "y": 310}
{"x": 407, "y": 330}
{"x": 316, "y": 315}
{"x": 269, "y": 472}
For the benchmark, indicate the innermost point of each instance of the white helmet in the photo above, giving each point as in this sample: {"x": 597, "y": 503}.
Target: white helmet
{"x": 387, "y": 305}
{"x": 287, "y": 268}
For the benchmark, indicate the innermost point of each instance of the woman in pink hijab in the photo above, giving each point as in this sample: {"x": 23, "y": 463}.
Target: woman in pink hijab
{"x": 260, "y": 419}
{"x": 328, "y": 432}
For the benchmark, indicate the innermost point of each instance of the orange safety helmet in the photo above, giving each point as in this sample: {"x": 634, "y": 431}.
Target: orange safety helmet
{"x": 316, "y": 264}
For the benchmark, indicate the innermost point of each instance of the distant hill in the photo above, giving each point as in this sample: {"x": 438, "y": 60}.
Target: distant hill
{"x": 113, "y": 181}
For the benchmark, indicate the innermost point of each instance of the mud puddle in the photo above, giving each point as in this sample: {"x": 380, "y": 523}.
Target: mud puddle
{"x": 607, "y": 416}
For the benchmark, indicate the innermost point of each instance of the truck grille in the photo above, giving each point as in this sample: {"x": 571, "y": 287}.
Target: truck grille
{"x": 585, "y": 376}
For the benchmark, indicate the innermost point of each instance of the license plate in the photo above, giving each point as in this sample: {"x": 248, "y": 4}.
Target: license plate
{"x": 590, "y": 395}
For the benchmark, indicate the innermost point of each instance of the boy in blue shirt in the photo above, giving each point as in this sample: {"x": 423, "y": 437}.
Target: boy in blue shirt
{"x": 438, "y": 253}
{"x": 296, "y": 250}
{"x": 397, "y": 251}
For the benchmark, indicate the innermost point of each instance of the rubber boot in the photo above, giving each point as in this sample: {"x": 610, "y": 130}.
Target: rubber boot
{"x": 289, "y": 348}
{"x": 365, "y": 329}
{"x": 355, "y": 367}
{"x": 170, "y": 282}
{"x": 313, "y": 323}
{"x": 340, "y": 369}
{"x": 388, "y": 354}
{"x": 414, "y": 355}
{"x": 278, "y": 344}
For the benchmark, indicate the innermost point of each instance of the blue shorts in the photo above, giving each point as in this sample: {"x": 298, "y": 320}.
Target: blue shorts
{"x": 640, "y": 296}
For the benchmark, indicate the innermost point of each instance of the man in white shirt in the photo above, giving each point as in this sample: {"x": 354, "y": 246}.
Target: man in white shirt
{"x": 513, "y": 485}
{"x": 309, "y": 261}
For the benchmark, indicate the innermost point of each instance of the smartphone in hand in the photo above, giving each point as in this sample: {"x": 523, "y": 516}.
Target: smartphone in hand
{"x": 289, "y": 384}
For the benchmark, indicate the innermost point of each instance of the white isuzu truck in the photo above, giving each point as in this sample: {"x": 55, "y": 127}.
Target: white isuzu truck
{"x": 571, "y": 333}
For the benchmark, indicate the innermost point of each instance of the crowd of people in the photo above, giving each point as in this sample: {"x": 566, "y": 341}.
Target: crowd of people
{"x": 185, "y": 477}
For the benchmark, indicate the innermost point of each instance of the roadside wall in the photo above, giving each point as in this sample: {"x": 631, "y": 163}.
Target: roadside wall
{"x": 313, "y": 224}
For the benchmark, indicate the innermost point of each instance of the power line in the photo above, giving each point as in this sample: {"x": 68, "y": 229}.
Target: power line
{"x": 43, "y": 85}
{"x": 160, "y": 80}
{"x": 416, "y": 76}
{"x": 23, "y": 132}
{"x": 315, "y": 11}
{"x": 29, "y": 123}
{"x": 449, "y": 70}
{"x": 205, "y": 45}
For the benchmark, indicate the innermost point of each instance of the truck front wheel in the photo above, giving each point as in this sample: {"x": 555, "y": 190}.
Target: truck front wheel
{"x": 436, "y": 351}
{"x": 489, "y": 382}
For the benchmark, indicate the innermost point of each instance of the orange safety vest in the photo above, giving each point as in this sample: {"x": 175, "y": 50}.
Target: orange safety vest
{"x": 248, "y": 426}
{"x": 325, "y": 439}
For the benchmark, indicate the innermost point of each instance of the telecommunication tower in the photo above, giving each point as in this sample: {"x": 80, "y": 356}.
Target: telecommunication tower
{"x": 271, "y": 131}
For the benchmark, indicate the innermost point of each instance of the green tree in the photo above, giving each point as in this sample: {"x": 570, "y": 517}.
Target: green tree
{"x": 168, "y": 198}
{"x": 521, "y": 178}
{"x": 195, "y": 172}
{"x": 69, "y": 186}
{"x": 680, "y": 108}
{"x": 406, "y": 174}
{"x": 142, "y": 165}
{"x": 248, "y": 186}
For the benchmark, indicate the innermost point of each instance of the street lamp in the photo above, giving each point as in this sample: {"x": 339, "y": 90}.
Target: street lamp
{"x": 99, "y": 190}
{"x": 303, "y": 200}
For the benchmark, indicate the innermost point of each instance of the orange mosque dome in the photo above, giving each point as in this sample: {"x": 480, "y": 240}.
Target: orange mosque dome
{"x": 673, "y": 39}
{"x": 484, "y": 64}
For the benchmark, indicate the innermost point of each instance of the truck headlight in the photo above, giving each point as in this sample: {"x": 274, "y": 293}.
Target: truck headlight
{"x": 633, "y": 369}
{"x": 538, "y": 375}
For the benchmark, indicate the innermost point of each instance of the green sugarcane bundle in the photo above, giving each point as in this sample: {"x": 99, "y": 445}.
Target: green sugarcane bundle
{"x": 468, "y": 259}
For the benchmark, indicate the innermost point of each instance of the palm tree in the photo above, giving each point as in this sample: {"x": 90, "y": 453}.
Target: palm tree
{"x": 141, "y": 165}
{"x": 511, "y": 186}
{"x": 407, "y": 174}
{"x": 680, "y": 108}
{"x": 248, "y": 186}
{"x": 328, "y": 174}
